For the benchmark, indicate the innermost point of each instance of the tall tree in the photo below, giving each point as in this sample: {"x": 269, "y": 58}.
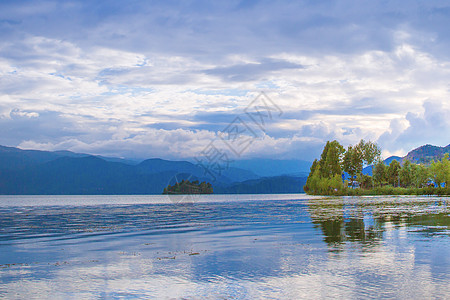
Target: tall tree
{"x": 406, "y": 174}
{"x": 440, "y": 171}
{"x": 330, "y": 160}
{"x": 392, "y": 172}
{"x": 379, "y": 172}
{"x": 312, "y": 172}
{"x": 323, "y": 158}
{"x": 356, "y": 156}
{"x": 420, "y": 175}
{"x": 352, "y": 162}
{"x": 369, "y": 151}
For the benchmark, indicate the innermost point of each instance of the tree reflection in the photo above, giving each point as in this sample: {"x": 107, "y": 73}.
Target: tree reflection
{"x": 365, "y": 223}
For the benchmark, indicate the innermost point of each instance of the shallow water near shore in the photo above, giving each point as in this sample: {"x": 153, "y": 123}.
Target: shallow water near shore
{"x": 224, "y": 246}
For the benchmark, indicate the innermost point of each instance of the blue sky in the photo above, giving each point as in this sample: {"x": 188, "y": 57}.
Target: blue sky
{"x": 141, "y": 79}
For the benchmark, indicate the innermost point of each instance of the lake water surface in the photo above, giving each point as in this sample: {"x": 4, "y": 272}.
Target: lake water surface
{"x": 221, "y": 247}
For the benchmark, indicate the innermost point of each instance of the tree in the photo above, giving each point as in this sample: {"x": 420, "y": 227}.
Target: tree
{"x": 379, "y": 172}
{"x": 446, "y": 166}
{"x": 369, "y": 150}
{"x": 330, "y": 159}
{"x": 406, "y": 174}
{"x": 352, "y": 162}
{"x": 187, "y": 187}
{"x": 420, "y": 175}
{"x": 310, "y": 182}
{"x": 323, "y": 158}
{"x": 365, "y": 181}
{"x": 392, "y": 172}
{"x": 356, "y": 156}
{"x": 440, "y": 171}
{"x": 325, "y": 174}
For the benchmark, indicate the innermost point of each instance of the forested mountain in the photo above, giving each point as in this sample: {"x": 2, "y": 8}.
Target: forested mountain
{"x": 421, "y": 155}
{"x": 65, "y": 172}
{"x": 275, "y": 167}
{"x": 427, "y": 153}
{"x": 266, "y": 185}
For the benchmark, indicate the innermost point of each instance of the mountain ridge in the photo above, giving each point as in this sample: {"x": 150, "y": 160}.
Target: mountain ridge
{"x": 65, "y": 172}
{"x": 426, "y": 153}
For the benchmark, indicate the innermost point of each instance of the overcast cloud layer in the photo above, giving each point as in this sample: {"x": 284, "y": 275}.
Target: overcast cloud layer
{"x": 141, "y": 79}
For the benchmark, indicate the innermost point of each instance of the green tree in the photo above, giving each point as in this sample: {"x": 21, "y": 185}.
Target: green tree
{"x": 311, "y": 181}
{"x": 446, "y": 166}
{"x": 187, "y": 187}
{"x": 406, "y": 174}
{"x": 323, "y": 158}
{"x": 440, "y": 171}
{"x": 379, "y": 172}
{"x": 420, "y": 175}
{"x": 325, "y": 174}
{"x": 334, "y": 158}
{"x": 393, "y": 172}
{"x": 365, "y": 181}
{"x": 352, "y": 162}
{"x": 369, "y": 150}
{"x": 330, "y": 159}
{"x": 356, "y": 156}
{"x": 335, "y": 183}
{"x": 314, "y": 182}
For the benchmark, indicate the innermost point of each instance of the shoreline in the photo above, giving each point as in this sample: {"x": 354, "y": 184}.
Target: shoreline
{"x": 388, "y": 191}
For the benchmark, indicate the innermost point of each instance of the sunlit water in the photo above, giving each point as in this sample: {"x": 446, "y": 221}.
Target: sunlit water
{"x": 209, "y": 247}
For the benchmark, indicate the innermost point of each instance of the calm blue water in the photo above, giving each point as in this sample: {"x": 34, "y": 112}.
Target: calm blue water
{"x": 220, "y": 247}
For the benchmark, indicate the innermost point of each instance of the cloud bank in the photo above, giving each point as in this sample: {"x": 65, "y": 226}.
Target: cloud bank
{"x": 152, "y": 79}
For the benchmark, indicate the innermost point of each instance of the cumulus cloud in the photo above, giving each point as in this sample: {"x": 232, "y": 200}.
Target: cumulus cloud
{"x": 163, "y": 79}
{"x": 413, "y": 130}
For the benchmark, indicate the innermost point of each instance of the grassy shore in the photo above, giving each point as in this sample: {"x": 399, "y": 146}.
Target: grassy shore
{"x": 389, "y": 190}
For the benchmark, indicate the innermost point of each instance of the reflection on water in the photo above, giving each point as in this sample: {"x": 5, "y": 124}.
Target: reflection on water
{"x": 365, "y": 220}
{"x": 226, "y": 247}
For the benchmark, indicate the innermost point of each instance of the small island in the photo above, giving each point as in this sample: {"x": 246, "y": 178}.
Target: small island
{"x": 339, "y": 172}
{"x": 186, "y": 187}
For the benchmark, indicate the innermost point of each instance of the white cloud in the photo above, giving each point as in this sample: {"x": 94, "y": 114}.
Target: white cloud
{"x": 416, "y": 129}
{"x": 348, "y": 97}
{"x": 178, "y": 79}
{"x": 18, "y": 113}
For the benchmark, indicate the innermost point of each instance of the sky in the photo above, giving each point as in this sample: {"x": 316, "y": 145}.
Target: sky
{"x": 141, "y": 79}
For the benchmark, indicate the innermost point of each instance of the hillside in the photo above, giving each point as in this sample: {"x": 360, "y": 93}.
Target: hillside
{"x": 266, "y": 185}
{"x": 64, "y": 172}
{"x": 426, "y": 153}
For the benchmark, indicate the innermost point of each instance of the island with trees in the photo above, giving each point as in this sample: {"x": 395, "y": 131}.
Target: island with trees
{"x": 186, "y": 187}
{"x": 339, "y": 171}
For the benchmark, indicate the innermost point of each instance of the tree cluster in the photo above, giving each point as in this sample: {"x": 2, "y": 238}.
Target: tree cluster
{"x": 410, "y": 175}
{"x": 187, "y": 187}
{"x": 327, "y": 173}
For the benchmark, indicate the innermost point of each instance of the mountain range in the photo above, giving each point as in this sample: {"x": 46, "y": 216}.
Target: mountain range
{"x": 426, "y": 154}
{"x": 422, "y": 155}
{"x": 65, "y": 172}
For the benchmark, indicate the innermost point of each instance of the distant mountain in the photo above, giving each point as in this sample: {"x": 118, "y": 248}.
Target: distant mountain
{"x": 266, "y": 185}
{"x": 81, "y": 175}
{"x": 228, "y": 175}
{"x": 427, "y": 153}
{"x": 65, "y": 172}
{"x": 14, "y": 158}
{"x": 275, "y": 167}
{"x": 423, "y": 154}
{"x": 369, "y": 169}
{"x": 388, "y": 160}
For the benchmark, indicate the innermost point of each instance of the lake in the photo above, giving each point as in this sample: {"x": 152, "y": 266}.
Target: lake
{"x": 224, "y": 246}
